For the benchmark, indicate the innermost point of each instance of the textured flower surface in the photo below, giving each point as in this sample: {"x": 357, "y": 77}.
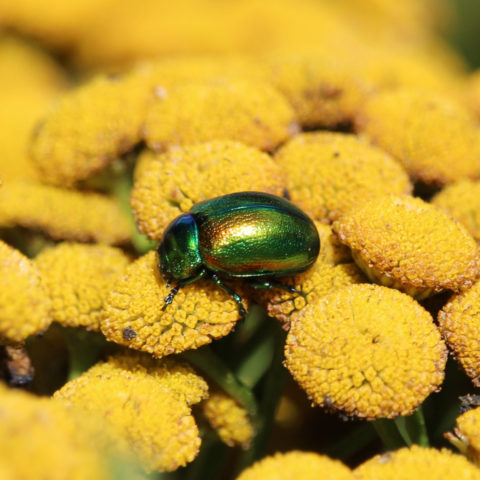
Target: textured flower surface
{"x": 78, "y": 278}
{"x": 417, "y": 462}
{"x": 406, "y": 243}
{"x": 24, "y": 301}
{"x": 295, "y": 464}
{"x": 152, "y": 420}
{"x": 133, "y": 314}
{"x": 467, "y": 431}
{"x": 329, "y": 173}
{"x": 367, "y": 351}
{"x": 169, "y": 184}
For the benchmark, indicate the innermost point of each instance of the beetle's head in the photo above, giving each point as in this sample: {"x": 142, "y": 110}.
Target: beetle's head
{"x": 178, "y": 251}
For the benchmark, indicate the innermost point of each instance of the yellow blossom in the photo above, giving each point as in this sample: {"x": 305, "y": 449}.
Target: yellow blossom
{"x": 149, "y": 419}
{"x": 473, "y": 93}
{"x": 24, "y": 301}
{"x": 406, "y": 243}
{"x": 460, "y": 326}
{"x": 367, "y": 351}
{"x": 296, "y": 464}
{"x": 63, "y": 214}
{"x": 40, "y": 439}
{"x": 133, "y": 315}
{"x": 88, "y": 128}
{"x": 332, "y": 251}
{"x": 229, "y": 419}
{"x": 329, "y": 173}
{"x": 467, "y": 434}
{"x": 461, "y": 200}
{"x": 417, "y": 462}
{"x": 435, "y": 138}
{"x": 78, "y": 278}
{"x": 251, "y": 112}
{"x": 170, "y": 184}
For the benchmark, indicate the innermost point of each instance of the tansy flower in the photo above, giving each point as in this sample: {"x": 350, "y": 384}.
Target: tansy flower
{"x": 405, "y": 243}
{"x": 133, "y": 314}
{"x": 473, "y": 93}
{"x": 63, "y": 214}
{"x": 78, "y": 278}
{"x": 24, "y": 301}
{"x": 459, "y": 324}
{"x": 88, "y": 128}
{"x": 366, "y": 351}
{"x": 170, "y": 184}
{"x": 228, "y": 418}
{"x": 461, "y": 200}
{"x": 251, "y": 112}
{"x": 466, "y": 434}
{"x": 417, "y": 462}
{"x": 329, "y": 173}
{"x": 435, "y": 138}
{"x": 149, "y": 419}
{"x": 296, "y": 464}
{"x": 332, "y": 251}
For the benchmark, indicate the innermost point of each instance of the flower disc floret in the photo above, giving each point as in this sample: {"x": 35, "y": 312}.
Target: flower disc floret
{"x": 78, "y": 278}
{"x": 329, "y": 173}
{"x": 459, "y": 322}
{"x": 434, "y": 137}
{"x": 296, "y": 464}
{"x": 251, "y": 112}
{"x": 24, "y": 301}
{"x": 406, "y": 243}
{"x": 87, "y": 129}
{"x": 366, "y": 351}
{"x": 417, "y": 462}
{"x": 467, "y": 431}
{"x": 169, "y": 184}
{"x": 133, "y": 314}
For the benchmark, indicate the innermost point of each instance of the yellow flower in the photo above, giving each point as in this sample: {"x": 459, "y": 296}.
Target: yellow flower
{"x": 467, "y": 434}
{"x": 405, "y": 243}
{"x": 461, "y": 200}
{"x": 133, "y": 315}
{"x": 329, "y": 173}
{"x": 435, "y": 138}
{"x": 417, "y": 462}
{"x": 63, "y": 214}
{"x": 229, "y": 419}
{"x": 296, "y": 464}
{"x": 149, "y": 419}
{"x": 473, "y": 93}
{"x": 88, "y": 128}
{"x": 332, "y": 251}
{"x": 24, "y": 301}
{"x": 459, "y": 323}
{"x": 367, "y": 351}
{"x": 39, "y": 438}
{"x": 251, "y": 112}
{"x": 170, "y": 184}
{"x": 78, "y": 278}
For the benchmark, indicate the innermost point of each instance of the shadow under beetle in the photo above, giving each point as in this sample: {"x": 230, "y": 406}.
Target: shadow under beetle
{"x": 252, "y": 235}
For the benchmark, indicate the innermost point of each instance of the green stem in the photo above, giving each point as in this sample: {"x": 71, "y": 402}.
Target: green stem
{"x": 388, "y": 433}
{"x": 352, "y": 443}
{"x": 417, "y": 428}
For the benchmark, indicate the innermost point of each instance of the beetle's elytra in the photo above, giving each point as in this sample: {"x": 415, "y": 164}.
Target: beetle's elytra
{"x": 253, "y": 235}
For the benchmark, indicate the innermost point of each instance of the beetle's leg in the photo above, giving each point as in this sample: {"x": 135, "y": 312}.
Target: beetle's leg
{"x": 237, "y": 299}
{"x": 268, "y": 284}
{"x": 169, "y": 298}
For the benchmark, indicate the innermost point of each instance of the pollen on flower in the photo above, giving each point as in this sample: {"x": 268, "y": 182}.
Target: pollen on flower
{"x": 338, "y": 171}
{"x": 366, "y": 351}
{"x": 247, "y": 111}
{"x": 169, "y": 184}
{"x": 150, "y": 419}
{"x": 461, "y": 200}
{"x": 417, "y": 462}
{"x": 297, "y": 464}
{"x": 406, "y": 243}
{"x": 460, "y": 326}
{"x": 63, "y": 214}
{"x": 199, "y": 313}
{"x": 433, "y": 136}
{"x": 87, "y": 129}
{"x": 78, "y": 278}
{"x": 24, "y": 301}
{"x": 228, "y": 419}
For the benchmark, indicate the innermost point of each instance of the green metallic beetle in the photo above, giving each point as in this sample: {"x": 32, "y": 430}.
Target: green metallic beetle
{"x": 253, "y": 235}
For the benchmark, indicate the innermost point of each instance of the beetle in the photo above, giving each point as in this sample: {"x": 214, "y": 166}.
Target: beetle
{"x": 252, "y": 235}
